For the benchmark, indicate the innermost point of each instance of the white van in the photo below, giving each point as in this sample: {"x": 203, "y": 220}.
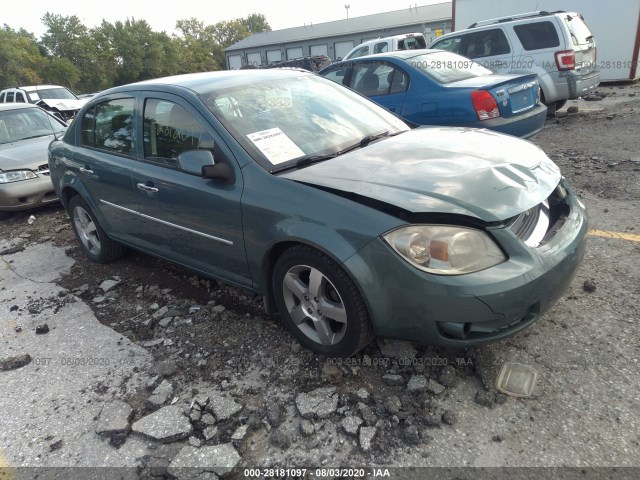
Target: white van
{"x": 406, "y": 41}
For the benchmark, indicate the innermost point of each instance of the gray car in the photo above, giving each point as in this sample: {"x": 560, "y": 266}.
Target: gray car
{"x": 25, "y": 133}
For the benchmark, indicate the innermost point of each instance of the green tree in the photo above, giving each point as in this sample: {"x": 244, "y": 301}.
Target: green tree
{"x": 256, "y": 23}
{"x": 20, "y": 58}
{"x": 199, "y": 50}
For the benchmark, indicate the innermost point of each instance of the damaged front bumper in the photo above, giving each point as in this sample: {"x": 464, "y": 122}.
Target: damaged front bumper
{"x": 478, "y": 308}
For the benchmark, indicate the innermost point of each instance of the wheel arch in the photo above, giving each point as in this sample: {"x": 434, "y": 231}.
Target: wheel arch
{"x": 270, "y": 258}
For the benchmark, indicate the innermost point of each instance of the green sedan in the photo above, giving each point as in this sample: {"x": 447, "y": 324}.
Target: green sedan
{"x": 349, "y": 223}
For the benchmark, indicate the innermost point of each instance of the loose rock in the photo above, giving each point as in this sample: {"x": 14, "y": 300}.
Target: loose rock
{"x": 222, "y": 406}
{"x": 366, "y": 437}
{"x": 434, "y": 387}
{"x": 160, "y": 395}
{"x": 192, "y": 462}
{"x": 42, "y": 329}
{"x": 167, "y": 424}
{"x": 114, "y": 418}
{"x": 13, "y": 363}
{"x": 397, "y": 349}
{"x": 351, "y": 424}
{"x": 589, "y": 286}
{"x": 417, "y": 383}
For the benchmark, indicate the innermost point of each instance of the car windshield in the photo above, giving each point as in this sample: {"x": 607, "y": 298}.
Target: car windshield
{"x": 447, "y": 67}
{"x": 56, "y": 94}
{"x": 17, "y": 125}
{"x": 284, "y": 121}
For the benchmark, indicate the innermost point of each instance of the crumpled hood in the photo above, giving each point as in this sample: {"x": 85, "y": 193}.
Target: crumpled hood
{"x": 64, "y": 105}
{"x": 465, "y": 171}
{"x": 25, "y": 154}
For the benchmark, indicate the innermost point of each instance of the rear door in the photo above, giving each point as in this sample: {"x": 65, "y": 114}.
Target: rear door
{"x": 103, "y": 161}
{"x": 383, "y": 82}
{"x": 182, "y": 216}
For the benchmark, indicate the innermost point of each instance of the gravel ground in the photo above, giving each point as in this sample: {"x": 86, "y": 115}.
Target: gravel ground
{"x": 228, "y": 382}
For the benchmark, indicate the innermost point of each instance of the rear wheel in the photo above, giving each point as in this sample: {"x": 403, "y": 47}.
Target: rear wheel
{"x": 319, "y": 303}
{"x": 560, "y": 104}
{"x": 94, "y": 241}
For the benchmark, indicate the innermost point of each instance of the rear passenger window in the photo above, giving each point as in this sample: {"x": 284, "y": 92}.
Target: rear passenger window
{"x": 9, "y": 97}
{"x": 378, "y": 78}
{"x": 170, "y": 130}
{"x": 109, "y": 126}
{"x": 20, "y": 97}
{"x": 487, "y": 43}
{"x": 336, "y": 75}
{"x": 537, "y": 36}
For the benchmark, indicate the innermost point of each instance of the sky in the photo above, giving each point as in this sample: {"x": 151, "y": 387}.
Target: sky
{"x": 162, "y": 15}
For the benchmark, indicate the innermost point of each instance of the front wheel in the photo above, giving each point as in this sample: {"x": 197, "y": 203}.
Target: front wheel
{"x": 319, "y": 303}
{"x": 95, "y": 243}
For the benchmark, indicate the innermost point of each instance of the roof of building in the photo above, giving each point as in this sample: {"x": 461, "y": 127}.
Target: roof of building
{"x": 378, "y": 21}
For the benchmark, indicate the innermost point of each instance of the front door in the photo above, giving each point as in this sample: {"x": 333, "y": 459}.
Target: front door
{"x": 188, "y": 219}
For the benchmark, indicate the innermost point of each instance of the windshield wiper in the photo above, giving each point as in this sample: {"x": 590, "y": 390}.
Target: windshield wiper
{"x": 309, "y": 159}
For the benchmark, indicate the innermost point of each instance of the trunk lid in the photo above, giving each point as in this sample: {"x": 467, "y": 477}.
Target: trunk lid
{"x": 515, "y": 94}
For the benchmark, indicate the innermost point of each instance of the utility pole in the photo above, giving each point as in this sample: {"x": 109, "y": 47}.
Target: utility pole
{"x": 347, "y": 7}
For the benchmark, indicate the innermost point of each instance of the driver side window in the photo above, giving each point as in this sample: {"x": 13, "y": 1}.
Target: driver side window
{"x": 169, "y": 130}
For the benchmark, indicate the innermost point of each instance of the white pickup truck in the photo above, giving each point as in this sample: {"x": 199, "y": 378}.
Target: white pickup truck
{"x": 406, "y": 41}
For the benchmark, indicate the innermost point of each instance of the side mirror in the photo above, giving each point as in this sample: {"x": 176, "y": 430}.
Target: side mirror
{"x": 221, "y": 172}
{"x": 192, "y": 161}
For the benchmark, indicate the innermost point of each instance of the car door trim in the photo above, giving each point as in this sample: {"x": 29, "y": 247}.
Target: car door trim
{"x": 164, "y": 222}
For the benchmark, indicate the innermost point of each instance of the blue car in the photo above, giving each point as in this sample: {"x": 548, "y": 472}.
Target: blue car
{"x": 435, "y": 87}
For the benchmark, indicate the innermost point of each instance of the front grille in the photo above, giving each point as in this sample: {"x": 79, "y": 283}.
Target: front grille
{"x": 43, "y": 169}
{"x": 538, "y": 224}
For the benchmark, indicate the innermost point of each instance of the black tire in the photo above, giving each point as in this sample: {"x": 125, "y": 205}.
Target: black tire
{"x": 95, "y": 243}
{"x": 560, "y": 104}
{"x": 342, "y": 332}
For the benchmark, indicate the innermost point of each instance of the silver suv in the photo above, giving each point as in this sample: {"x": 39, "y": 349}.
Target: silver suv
{"x": 558, "y": 46}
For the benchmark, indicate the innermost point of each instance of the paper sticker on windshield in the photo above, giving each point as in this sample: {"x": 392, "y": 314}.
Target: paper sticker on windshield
{"x": 275, "y": 145}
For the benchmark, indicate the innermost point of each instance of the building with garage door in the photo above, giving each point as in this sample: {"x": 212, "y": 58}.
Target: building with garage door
{"x": 335, "y": 39}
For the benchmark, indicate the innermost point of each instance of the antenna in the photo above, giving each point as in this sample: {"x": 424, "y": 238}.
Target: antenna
{"x": 347, "y": 7}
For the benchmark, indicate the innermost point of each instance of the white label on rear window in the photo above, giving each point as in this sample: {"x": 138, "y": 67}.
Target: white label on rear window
{"x": 275, "y": 145}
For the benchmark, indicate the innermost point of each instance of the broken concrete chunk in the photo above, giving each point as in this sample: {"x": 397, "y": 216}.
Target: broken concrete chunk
{"x": 167, "y": 424}
{"x": 108, "y": 285}
{"x": 192, "y": 461}
{"x": 161, "y": 394}
{"x": 351, "y": 424}
{"x": 417, "y": 383}
{"x": 114, "y": 418}
{"x": 366, "y": 437}
{"x": 320, "y": 403}
{"x": 222, "y": 406}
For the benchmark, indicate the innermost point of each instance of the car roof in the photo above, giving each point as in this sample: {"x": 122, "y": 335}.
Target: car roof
{"x": 33, "y": 88}
{"x": 17, "y": 106}
{"x": 400, "y": 54}
{"x": 204, "y": 81}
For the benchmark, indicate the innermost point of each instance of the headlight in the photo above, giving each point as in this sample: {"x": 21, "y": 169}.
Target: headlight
{"x": 17, "y": 176}
{"x": 445, "y": 250}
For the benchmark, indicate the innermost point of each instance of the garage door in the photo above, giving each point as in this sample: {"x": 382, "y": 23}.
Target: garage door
{"x": 342, "y": 48}
{"x": 293, "y": 53}
{"x": 254, "y": 59}
{"x": 273, "y": 56}
{"x": 235, "y": 62}
{"x": 319, "y": 50}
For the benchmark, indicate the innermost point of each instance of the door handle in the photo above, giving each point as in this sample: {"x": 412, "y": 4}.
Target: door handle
{"x": 88, "y": 171}
{"x": 146, "y": 188}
